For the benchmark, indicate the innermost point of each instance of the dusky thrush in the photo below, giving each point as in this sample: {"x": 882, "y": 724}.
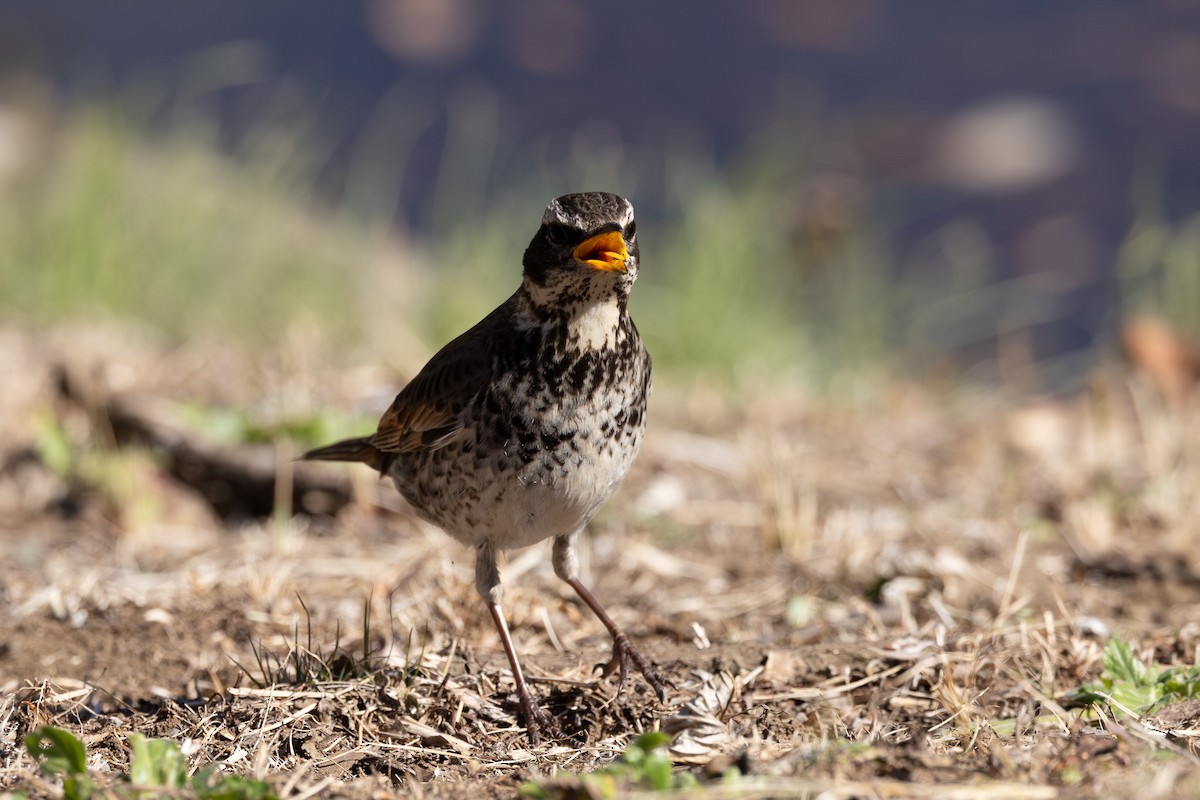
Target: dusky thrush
{"x": 519, "y": 429}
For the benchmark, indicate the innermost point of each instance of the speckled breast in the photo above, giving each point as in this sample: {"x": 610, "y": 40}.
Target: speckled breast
{"x": 544, "y": 446}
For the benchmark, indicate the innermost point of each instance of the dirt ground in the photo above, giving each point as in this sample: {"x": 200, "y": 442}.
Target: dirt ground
{"x": 883, "y": 598}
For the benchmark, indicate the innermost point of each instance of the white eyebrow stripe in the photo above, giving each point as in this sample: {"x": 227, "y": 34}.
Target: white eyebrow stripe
{"x": 556, "y": 213}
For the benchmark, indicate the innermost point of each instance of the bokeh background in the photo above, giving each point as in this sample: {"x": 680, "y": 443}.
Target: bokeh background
{"x": 826, "y": 189}
{"x": 898, "y": 487}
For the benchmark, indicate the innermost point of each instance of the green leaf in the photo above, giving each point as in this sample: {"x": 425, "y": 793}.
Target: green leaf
{"x": 235, "y": 787}
{"x": 533, "y": 790}
{"x": 56, "y": 751}
{"x": 1135, "y": 698}
{"x": 603, "y": 784}
{"x": 650, "y": 741}
{"x": 156, "y": 762}
{"x": 78, "y": 787}
{"x": 632, "y": 757}
{"x": 1181, "y": 684}
{"x": 659, "y": 773}
{"x": 1122, "y": 665}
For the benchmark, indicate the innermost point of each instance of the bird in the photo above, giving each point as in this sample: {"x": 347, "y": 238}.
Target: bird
{"x": 520, "y": 429}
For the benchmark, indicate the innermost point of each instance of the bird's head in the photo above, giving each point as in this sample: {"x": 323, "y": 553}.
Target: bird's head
{"x": 585, "y": 248}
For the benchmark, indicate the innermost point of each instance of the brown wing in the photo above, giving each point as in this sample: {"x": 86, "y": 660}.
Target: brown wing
{"x": 428, "y": 412}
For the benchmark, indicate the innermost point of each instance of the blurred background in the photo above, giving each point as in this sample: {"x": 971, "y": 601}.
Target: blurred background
{"x": 825, "y": 190}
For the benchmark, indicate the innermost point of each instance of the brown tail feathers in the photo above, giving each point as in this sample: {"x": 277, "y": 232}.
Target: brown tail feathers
{"x": 350, "y": 450}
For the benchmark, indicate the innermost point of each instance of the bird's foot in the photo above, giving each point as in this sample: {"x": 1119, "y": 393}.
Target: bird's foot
{"x": 538, "y": 723}
{"x": 623, "y": 653}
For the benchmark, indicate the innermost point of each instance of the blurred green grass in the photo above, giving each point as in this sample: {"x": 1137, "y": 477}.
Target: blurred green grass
{"x": 166, "y": 230}
{"x": 738, "y": 285}
{"x": 110, "y": 223}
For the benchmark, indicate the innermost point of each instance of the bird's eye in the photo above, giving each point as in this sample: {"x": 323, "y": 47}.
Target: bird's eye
{"x": 630, "y": 231}
{"x": 556, "y": 234}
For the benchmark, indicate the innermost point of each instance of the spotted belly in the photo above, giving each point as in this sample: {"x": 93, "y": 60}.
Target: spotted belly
{"x": 478, "y": 488}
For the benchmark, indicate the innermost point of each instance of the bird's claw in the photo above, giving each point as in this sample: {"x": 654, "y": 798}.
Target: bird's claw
{"x": 624, "y": 652}
{"x": 537, "y": 721}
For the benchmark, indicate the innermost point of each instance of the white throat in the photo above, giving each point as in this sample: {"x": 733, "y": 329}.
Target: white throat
{"x": 594, "y": 326}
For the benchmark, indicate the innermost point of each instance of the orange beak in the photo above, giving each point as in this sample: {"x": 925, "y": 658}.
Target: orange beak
{"x": 604, "y": 251}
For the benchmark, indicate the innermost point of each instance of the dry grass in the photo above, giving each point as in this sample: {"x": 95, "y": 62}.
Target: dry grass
{"x": 890, "y": 600}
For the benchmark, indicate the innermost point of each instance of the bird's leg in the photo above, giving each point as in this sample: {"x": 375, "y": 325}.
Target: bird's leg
{"x": 566, "y": 566}
{"x": 487, "y": 583}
